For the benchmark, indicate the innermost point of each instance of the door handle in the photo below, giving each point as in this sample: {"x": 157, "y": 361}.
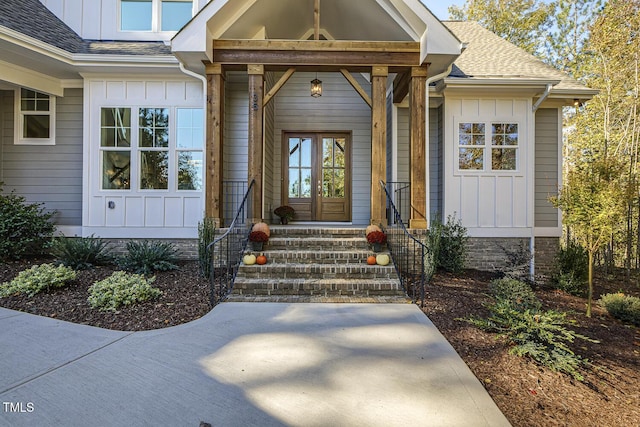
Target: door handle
{"x": 319, "y": 188}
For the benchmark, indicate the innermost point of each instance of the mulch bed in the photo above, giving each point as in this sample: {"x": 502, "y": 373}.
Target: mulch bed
{"x": 527, "y": 394}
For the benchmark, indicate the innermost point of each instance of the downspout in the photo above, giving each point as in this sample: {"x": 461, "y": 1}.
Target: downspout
{"x": 427, "y": 130}
{"x": 532, "y": 240}
{"x": 543, "y": 97}
{"x": 203, "y": 79}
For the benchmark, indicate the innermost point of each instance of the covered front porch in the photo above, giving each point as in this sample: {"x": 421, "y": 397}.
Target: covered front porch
{"x": 326, "y": 155}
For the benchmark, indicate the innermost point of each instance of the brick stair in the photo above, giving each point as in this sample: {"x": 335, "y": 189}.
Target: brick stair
{"x": 317, "y": 262}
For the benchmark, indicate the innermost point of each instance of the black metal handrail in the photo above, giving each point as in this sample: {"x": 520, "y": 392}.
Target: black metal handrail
{"x": 401, "y": 197}
{"x": 407, "y": 252}
{"x": 227, "y": 250}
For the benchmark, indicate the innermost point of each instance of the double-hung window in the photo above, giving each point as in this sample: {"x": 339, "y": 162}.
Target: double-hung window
{"x": 154, "y": 15}
{"x": 487, "y": 146}
{"x": 35, "y": 123}
{"x": 162, "y": 150}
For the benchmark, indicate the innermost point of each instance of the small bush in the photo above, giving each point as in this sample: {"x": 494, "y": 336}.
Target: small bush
{"x": 541, "y": 336}
{"x": 453, "y": 245}
{"x": 146, "y": 257}
{"x": 623, "y": 307}
{"x": 206, "y": 235}
{"x": 81, "y": 253}
{"x": 432, "y": 243}
{"x": 37, "y": 279}
{"x": 121, "y": 289}
{"x": 518, "y": 264}
{"x": 571, "y": 269}
{"x": 518, "y": 293}
{"x": 258, "y": 237}
{"x": 25, "y": 228}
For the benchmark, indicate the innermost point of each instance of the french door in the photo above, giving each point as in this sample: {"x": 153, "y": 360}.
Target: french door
{"x": 317, "y": 175}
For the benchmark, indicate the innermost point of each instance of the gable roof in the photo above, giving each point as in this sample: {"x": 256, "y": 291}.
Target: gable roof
{"x": 489, "y": 56}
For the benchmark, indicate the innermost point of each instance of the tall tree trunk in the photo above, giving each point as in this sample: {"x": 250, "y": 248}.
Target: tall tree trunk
{"x": 590, "y": 296}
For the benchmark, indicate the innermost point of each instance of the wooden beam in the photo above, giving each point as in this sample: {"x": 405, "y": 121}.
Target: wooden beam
{"x": 418, "y": 147}
{"x": 316, "y": 20}
{"x": 214, "y": 144}
{"x": 255, "y": 149}
{"x": 401, "y": 86}
{"x": 276, "y": 87}
{"x": 316, "y": 53}
{"x": 378, "y": 143}
{"x": 347, "y": 75}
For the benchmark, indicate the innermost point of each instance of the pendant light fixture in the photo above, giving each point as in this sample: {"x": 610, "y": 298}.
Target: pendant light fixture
{"x": 316, "y": 87}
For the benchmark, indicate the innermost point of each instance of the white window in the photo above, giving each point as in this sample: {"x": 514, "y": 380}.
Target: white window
{"x": 486, "y": 146}
{"x": 35, "y": 121}
{"x": 154, "y": 15}
{"x": 165, "y": 147}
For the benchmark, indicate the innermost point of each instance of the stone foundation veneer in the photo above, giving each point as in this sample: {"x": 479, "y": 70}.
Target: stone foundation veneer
{"x": 187, "y": 248}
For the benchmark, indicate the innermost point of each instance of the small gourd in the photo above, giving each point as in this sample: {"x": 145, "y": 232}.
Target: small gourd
{"x": 371, "y": 260}
{"x": 261, "y": 260}
{"x": 382, "y": 259}
{"x": 249, "y": 259}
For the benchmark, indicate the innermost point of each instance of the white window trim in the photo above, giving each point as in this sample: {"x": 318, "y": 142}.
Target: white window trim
{"x": 19, "y": 138}
{"x": 487, "y": 148}
{"x": 156, "y": 19}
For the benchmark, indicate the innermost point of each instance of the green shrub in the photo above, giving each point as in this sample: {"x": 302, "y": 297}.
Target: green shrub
{"x": 146, "y": 257}
{"x": 541, "y": 336}
{"x": 25, "y": 228}
{"x": 516, "y": 292}
{"x": 571, "y": 269}
{"x": 81, "y": 253}
{"x": 37, "y": 279}
{"x": 518, "y": 264}
{"x": 432, "y": 243}
{"x": 453, "y": 245}
{"x": 623, "y": 307}
{"x": 121, "y": 289}
{"x": 206, "y": 235}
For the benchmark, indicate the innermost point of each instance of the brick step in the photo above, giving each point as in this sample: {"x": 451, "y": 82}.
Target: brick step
{"x": 305, "y": 231}
{"x": 247, "y": 286}
{"x": 316, "y": 271}
{"x": 317, "y": 243}
{"x": 357, "y": 256}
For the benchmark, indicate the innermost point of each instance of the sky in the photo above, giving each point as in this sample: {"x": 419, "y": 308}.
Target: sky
{"x": 439, "y": 7}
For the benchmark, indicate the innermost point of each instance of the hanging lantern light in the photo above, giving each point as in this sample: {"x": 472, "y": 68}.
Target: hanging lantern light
{"x": 316, "y": 87}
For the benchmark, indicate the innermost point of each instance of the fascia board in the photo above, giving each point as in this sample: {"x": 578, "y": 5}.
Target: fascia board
{"x": 32, "y": 79}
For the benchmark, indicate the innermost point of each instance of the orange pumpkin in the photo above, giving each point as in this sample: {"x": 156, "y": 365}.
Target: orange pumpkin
{"x": 261, "y": 260}
{"x": 371, "y": 228}
{"x": 262, "y": 226}
{"x": 371, "y": 260}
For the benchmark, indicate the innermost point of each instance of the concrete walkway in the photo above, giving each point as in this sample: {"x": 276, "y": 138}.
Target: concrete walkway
{"x": 243, "y": 364}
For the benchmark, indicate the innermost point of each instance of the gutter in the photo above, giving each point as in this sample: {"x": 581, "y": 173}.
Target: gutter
{"x": 542, "y": 98}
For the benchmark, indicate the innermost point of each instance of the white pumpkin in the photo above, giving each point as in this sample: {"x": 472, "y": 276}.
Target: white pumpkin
{"x": 382, "y": 259}
{"x": 249, "y": 259}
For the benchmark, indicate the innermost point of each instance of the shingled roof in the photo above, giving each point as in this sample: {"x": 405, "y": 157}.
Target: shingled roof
{"x": 490, "y": 56}
{"x": 33, "y": 19}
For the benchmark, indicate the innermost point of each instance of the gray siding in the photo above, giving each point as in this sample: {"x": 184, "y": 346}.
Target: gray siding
{"x": 49, "y": 174}
{"x": 403, "y": 145}
{"x": 435, "y": 162}
{"x": 340, "y": 108}
{"x": 236, "y": 131}
{"x": 546, "y": 168}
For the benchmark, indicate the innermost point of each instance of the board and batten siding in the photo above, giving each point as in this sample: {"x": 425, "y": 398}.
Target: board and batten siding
{"x": 98, "y": 19}
{"x": 138, "y": 213}
{"x": 547, "y": 167}
{"x": 48, "y": 174}
{"x": 340, "y": 108}
{"x": 490, "y": 203}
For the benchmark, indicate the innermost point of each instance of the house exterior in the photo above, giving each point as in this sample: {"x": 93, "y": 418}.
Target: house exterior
{"x": 133, "y": 119}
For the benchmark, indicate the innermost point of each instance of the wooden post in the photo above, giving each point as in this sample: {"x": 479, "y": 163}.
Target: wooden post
{"x": 418, "y": 147}
{"x": 256, "y": 99}
{"x": 214, "y": 143}
{"x": 378, "y": 143}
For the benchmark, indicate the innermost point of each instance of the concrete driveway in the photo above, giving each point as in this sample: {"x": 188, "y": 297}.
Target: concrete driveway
{"x": 243, "y": 364}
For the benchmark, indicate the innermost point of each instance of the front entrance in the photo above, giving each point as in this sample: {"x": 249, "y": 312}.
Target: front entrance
{"x": 317, "y": 175}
